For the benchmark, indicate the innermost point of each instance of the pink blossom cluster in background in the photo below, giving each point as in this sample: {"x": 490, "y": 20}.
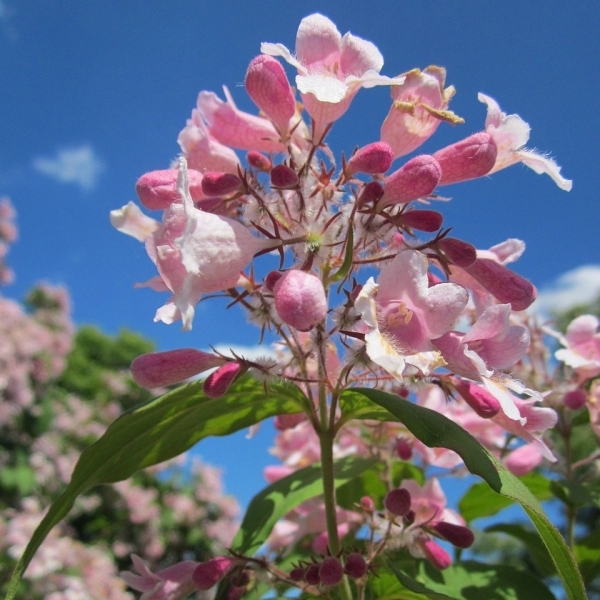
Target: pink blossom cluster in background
{"x": 8, "y": 235}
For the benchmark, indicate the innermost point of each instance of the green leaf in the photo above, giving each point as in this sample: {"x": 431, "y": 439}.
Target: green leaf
{"x": 157, "y": 431}
{"x": 415, "y": 586}
{"x": 348, "y": 258}
{"x": 276, "y": 500}
{"x": 355, "y": 406}
{"x": 587, "y": 552}
{"x": 437, "y": 431}
{"x": 577, "y": 494}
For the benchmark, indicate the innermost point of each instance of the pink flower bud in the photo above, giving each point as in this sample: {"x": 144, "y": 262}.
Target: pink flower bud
{"x": 370, "y": 194}
{"x": 300, "y": 300}
{"x": 403, "y": 449}
{"x": 311, "y": 576}
{"x": 423, "y": 220}
{"x": 272, "y": 278}
{"x": 284, "y": 177}
{"x": 417, "y": 178}
{"x": 522, "y": 460}
{"x": 283, "y": 422}
{"x": 297, "y": 574}
{"x": 157, "y": 190}
{"x": 259, "y": 161}
{"x": 507, "y": 287}
{"x": 270, "y": 90}
{"x": 355, "y": 565}
{"x": 457, "y": 535}
{"x": 575, "y": 399}
{"x": 436, "y": 555}
{"x": 371, "y": 159}
{"x": 218, "y": 382}
{"x": 208, "y": 574}
{"x": 331, "y": 571}
{"x": 409, "y": 517}
{"x": 397, "y": 501}
{"x": 470, "y": 158}
{"x": 478, "y": 398}
{"x": 217, "y": 184}
{"x": 460, "y": 253}
{"x": 159, "y": 369}
{"x": 367, "y": 504}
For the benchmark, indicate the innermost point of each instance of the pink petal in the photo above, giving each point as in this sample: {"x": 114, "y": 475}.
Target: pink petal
{"x": 317, "y": 41}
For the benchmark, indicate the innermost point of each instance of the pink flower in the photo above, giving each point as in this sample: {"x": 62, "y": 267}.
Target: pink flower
{"x": 331, "y": 68}
{"x": 523, "y": 460}
{"x": 130, "y": 220}
{"x": 511, "y": 134}
{"x": 582, "y": 346}
{"x": 402, "y": 314}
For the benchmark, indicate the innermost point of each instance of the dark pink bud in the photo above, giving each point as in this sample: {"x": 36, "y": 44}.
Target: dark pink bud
{"x": 331, "y": 571}
{"x": 470, "y": 158}
{"x": 403, "y": 449}
{"x": 269, "y": 88}
{"x": 478, "y": 398}
{"x": 371, "y": 159}
{"x": 300, "y": 300}
{"x": 575, "y": 399}
{"x": 311, "y": 576}
{"x": 423, "y": 220}
{"x": 284, "y": 177}
{"x": 283, "y": 422}
{"x": 297, "y": 574}
{"x": 457, "y": 535}
{"x": 355, "y": 565}
{"x": 235, "y": 592}
{"x": 218, "y": 382}
{"x": 208, "y": 574}
{"x": 370, "y": 194}
{"x": 367, "y": 504}
{"x": 505, "y": 285}
{"x": 436, "y": 555}
{"x": 272, "y": 278}
{"x": 157, "y": 190}
{"x": 409, "y": 517}
{"x": 217, "y": 184}
{"x": 397, "y": 501}
{"x": 417, "y": 178}
{"x": 259, "y": 161}
{"x": 460, "y": 253}
{"x": 159, "y": 369}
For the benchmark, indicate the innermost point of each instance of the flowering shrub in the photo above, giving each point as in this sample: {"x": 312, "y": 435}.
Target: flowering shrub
{"x": 403, "y": 353}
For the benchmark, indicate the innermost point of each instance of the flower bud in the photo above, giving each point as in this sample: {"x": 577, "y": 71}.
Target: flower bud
{"x": 270, "y": 90}
{"x": 355, "y": 565}
{"x": 272, "y": 278}
{"x": 460, "y": 253}
{"x": 397, "y": 501}
{"x": 417, "y": 178}
{"x": 423, "y": 220}
{"x": 297, "y": 574}
{"x": 208, "y": 574}
{"x": 522, "y": 460}
{"x": 409, "y": 517}
{"x": 331, "y": 571}
{"x": 217, "y": 184}
{"x": 403, "y": 449}
{"x": 157, "y": 190}
{"x": 575, "y": 399}
{"x": 159, "y": 369}
{"x": 371, "y": 159}
{"x": 283, "y": 422}
{"x": 470, "y": 158}
{"x": 457, "y": 535}
{"x": 259, "y": 161}
{"x": 436, "y": 555}
{"x": 300, "y": 300}
{"x": 367, "y": 504}
{"x": 370, "y": 193}
{"x": 284, "y": 177}
{"x": 218, "y": 382}
{"x": 478, "y": 398}
{"x": 311, "y": 575}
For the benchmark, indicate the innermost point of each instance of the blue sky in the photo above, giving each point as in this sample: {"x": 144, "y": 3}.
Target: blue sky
{"x": 94, "y": 94}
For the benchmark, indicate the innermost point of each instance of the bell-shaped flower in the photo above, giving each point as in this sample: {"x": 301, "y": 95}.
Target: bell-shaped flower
{"x": 419, "y": 105}
{"x": 511, "y": 134}
{"x": 331, "y": 68}
{"x": 522, "y": 460}
{"x": 371, "y": 159}
{"x": 157, "y": 190}
{"x": 401, "y": 314}
{"x": 582, "y": 346}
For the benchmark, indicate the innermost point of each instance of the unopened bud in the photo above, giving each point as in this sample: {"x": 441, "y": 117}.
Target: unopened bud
{"x": 331, "y": 571}
{"x": 457, "y": 535}
{"x": 284, "y": 177}
{"x": 417, "y": 178}
{"x": 259, "y": 161}
{"x": 311, "y": 575}
{"x": 478, "y": 398}
{"x": 460, "y": 253}
{"x": 371, "y": 159}
{"x": 159, "y": 369}
{"x": 218, "y": 382}
{"x": 403, "y": 449}
{"x": 423, "y": 220}
{"x": 367, "y": 504}
{"x": 409, "y": 517}
{"x": 217, "y": 185}
{"x": 208, "y": 574}
{"x": 300, "y": 300}
{"x": 370, "y": 194}
{"x": 283, "y": 422}
{"x": 397, "y": 501}
{"x": 270, "y": 90}
{"x": 470, "y": 158}
{"x": 297, "y": 574}
{"x": 157, "y": 190}
{"x": 436, "y": 555}
{"x": 272, "y": 278}
{"x": 575, "y": 399}
{"x": 355, "y": 565}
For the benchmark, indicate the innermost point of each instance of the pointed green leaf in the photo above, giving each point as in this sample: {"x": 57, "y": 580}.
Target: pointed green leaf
{"x": 415, "y": 586}
{"x": 437, "y": 431}
{"x": 276, "y": 500}
{"x": 157, "y": 431}
{"x": 348, "y": 258}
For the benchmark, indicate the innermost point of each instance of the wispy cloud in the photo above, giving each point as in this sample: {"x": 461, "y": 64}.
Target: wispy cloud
{"x": 76, "y": 164}
{"x": 573, "y": 288}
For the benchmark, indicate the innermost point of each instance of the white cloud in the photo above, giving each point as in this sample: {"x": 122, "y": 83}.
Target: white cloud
{"x": 77, "y": 164}
{"x": 573, "y": 288}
